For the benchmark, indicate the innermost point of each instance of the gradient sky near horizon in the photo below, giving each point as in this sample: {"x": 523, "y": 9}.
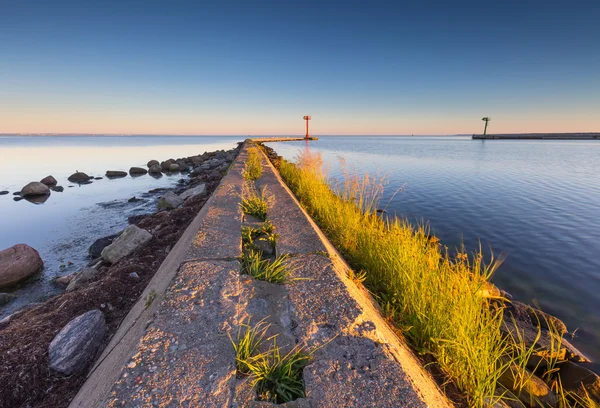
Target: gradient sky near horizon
{"x": 256, "y": 67}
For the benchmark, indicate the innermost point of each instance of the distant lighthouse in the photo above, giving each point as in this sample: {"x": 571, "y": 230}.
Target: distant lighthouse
{"x": 307, "y": 118}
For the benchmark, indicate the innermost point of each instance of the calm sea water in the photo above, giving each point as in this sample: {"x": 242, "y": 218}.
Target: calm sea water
{"x": 63, "y": 227}
{"x": 536, "y": 201}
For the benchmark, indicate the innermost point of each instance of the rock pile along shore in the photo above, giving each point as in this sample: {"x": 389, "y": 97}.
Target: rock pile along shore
{"x": 52, "y": 344}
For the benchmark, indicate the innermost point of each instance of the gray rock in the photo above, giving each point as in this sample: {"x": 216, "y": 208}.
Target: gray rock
{"x": 196, "y": 159}
{"x": 264, "y": 246}
{"x": 78, "y": 177}
{"x": 183, "y": 167}
{"x": 166, "y": 164}
{"x": 137, "y": 170}
{"x": 115, "y": 174}
{"x": 49, "y": 181}
{"x": 194, "y": 191}
{"x": 196, "y": 172}
{"x": 82, "y": 278}
{"x": 174, "y": 167}
{"x": 77, "y": 343}
{"x": 131, "y": 238}
{"x": 3, "y": 192}
{"x": 58, "y": 189}
{"x": 6, "y": 298}
{"x": 17, "y": 263}
{"x": 215, "y": 174}
{"x": 154, "y": 169}
{"x": 153, "y": 163}
{"x": 169, "y": 201}
{"x": 35, "y": 188}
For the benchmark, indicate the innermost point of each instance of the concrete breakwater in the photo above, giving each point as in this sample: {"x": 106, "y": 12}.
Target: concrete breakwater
{"x": 540, "y": 136}
{"x": 175, "y": 347}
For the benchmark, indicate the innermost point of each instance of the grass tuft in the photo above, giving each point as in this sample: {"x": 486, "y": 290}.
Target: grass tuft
{"x": 253, "y": 202}
{"x": 276, "y": 377}
{"x": 262, "y": 269}
{"x": 247, "y": 344}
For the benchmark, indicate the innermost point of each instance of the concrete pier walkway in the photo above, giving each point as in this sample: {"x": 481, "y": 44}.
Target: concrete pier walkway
{"x": 174, "y": 347}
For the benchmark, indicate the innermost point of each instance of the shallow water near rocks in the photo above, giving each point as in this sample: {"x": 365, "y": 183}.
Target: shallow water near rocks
{"x": 535, "y": 201}
{"x": 63, "y": 227}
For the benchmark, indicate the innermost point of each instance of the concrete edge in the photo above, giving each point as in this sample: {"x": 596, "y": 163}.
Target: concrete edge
{"x": 422, "y": 381}
{"x": 123, "y": 344}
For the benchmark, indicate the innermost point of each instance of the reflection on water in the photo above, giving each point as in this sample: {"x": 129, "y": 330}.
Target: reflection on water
{"x": 536, "y": 201}
{"x": 64, "y": 224}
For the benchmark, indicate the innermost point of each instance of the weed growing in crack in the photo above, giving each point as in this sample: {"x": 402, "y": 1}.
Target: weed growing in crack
{"x": 277, "y": 377}
{"x": 265, "y": 231}
{"x": 253, "y": 202}
{"x": 247, "y": 344}
{"x": 262, "y": 269}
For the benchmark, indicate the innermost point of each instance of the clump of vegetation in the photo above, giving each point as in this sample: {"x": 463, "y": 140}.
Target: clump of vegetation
{"x": 253, "y": 202}
{"x": 247, "y": 344}
{"x": 276, "y": 377}
{"x": 429, "y": 294}
{"x": 275, "y": 271}
{"x": 253, "y": 167}
{"x": 265, "y": 231}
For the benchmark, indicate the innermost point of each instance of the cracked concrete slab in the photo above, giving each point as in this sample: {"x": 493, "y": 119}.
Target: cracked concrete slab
{"x": 185, "y": 358}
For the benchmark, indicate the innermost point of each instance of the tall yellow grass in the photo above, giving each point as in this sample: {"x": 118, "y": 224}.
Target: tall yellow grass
{"x": 432, "y": 297}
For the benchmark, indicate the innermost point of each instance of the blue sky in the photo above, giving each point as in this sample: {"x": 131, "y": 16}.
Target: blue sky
{"x": 256, "y": 67}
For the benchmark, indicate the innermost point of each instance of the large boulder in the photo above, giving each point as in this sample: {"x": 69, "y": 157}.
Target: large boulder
{"x": 131, "y": 238}
{"x": 17, "y": 263}
{"x": 174, "y": 167}
{"x": 116, "y": 174}
{"x": 77, "y": 343}
{"x": 169, "y": 201}
{"x": 35, "y": 188}
{"x": 194, "y": 191}
{"x": 153, "y": 163}
{"x": 82, "y": 278}
{"x": 49, "y": 181}
{"x": 78, "y": 177}
{"x": 155, "y": 169}
{"x": 137, "y": 170}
